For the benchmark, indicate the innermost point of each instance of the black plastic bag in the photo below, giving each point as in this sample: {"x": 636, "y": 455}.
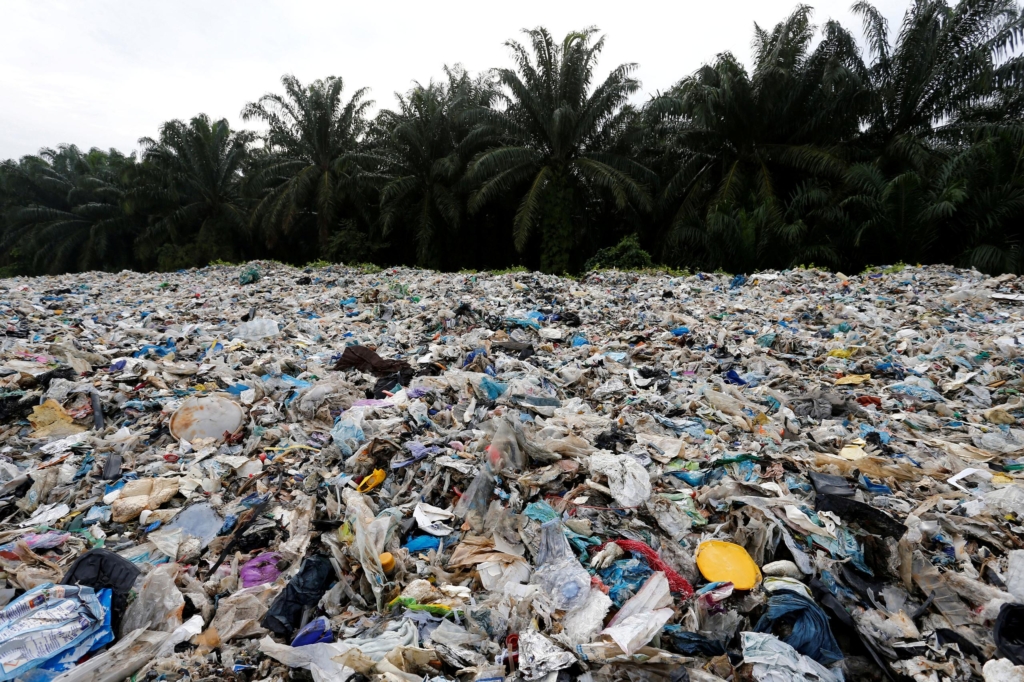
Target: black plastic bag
{"x": 305, "y": 589}
{"x": 831, "y": 485}
{"x": 99, "y": 568}
{"x": 857, "y": 513}
{"x": 1009, "y": 632}
{"x": 690, "y": 643}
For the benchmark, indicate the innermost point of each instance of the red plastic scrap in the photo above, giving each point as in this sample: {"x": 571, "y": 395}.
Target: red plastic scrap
{"x": 676, "y": 582}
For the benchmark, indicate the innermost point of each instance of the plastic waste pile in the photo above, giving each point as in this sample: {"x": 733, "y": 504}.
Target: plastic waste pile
{"x": 262, "y": 472}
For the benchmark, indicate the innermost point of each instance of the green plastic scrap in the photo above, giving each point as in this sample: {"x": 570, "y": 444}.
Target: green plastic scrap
{"x": 249, "y": 276}
{"x": 413, "y": 605}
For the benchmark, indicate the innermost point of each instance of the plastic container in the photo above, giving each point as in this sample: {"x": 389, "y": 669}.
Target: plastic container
{"x": 206, "y": 417}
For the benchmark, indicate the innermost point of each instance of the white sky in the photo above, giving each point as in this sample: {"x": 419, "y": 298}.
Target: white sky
{"x": 103, "y": 73}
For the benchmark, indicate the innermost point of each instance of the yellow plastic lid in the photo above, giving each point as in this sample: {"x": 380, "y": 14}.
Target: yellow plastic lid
{"x": 387, "y": 562}
{"x": 371, "y": 481}
{"x": 723, "y": 562}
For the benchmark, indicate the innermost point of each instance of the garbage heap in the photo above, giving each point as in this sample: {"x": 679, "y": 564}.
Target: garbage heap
{"x": 270, "y": 473}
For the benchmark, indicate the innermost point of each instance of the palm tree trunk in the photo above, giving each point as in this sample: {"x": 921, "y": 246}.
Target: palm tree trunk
{"x": 323, "y": 236}
{"x": 556, "y": 227}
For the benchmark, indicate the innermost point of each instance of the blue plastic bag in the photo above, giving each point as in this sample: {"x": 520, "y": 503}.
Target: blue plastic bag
{"x": 67, "y": 659}
{"x": 166, "y": 348}
{"x": 811, "y": 635}
{"x": 422, "y": 543}
{"x": 316, "y": 631}
{"x": 348, "y": 435}
{"x": 493, "y": 388}
{"x": 624, "y": 578}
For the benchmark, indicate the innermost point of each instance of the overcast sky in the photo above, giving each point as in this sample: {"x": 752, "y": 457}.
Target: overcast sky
{"x": 103, "y": 73}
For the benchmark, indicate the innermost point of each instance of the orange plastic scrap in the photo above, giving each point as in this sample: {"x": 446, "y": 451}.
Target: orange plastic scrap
{"x": 727, "y": 562}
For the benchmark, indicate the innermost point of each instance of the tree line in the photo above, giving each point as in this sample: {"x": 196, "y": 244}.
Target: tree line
{"x": 911, "y": 149}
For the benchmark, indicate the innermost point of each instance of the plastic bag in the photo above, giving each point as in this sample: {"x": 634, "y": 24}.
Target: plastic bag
{"x": 776, "y": 661}
{"x": 559, "y": 573}
{"x": 946, "y": 600}
{"x": 1015, "y": 574}
{"x": 690, "y": 643}
{"x": 348, "y": 433}
{"x": 305, "y": 589}
{"x": 99, "y": 568}
{"x": 259, "y": 570}
{"x": 539, "y": 656}
{"x": 317, "y": 631}
{"x": 370, "y": 534}
{"x": 67, "y": 659}
{"x": 503, "y": 453}
{"x": 122, "y": 660}
{"x": 473, "y": 504}
{"x": 1009, "y": 633}
{"x": 583, "y": 623}
{"x": 642, "y": 616}
{"x": 254, "y": 330}
{"x": 249, "y": 275}
{"x": 629, "y": 481}
{"x": 239, "y": 614}
{"x": 319, "y": 659}
{"x": 44, "y": 622}
{"x": 810, "y": 635}
{"x": 670, "y": 516}
{"x": 451, "y": 634}
{"x": 159, "y": 604}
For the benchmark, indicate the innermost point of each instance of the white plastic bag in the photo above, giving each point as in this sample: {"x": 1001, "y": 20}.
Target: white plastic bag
{"x": 642, "y": 616}
{"x": 628, "y": 480}
{"x": 159, "y": 604}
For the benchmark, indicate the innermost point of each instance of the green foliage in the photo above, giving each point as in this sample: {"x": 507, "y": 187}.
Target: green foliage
{"x": 911, "y": 150}
{"x": 368, "y": 268}
{"x": 519, "y": 269}
{"x": 626, "y": 255}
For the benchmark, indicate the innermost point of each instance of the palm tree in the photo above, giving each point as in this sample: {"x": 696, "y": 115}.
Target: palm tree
{"x": 191, "y": 184}
{"x": 743, "y": 142}
{"x": 987, "y": 231}
{"x": 70, "y": 213}
{"x": 941, "y": 178}
{"x": 425, "y": 147}
{"x": 309, "y": 173}
{"x": 949, "y": 66}
{"x": 900, "y": 217}
{"x": 557, "y": 129}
